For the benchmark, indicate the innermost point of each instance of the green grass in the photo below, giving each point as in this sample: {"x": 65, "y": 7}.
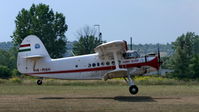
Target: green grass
{"x": 146, "y": 80}
{"x": 63, "y": 97}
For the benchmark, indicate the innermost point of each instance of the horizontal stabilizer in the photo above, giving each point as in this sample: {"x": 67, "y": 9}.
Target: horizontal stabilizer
{"x": 34, "y": 57}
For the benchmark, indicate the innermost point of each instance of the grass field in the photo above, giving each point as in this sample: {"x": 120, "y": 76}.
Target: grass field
{"x": 98, "y": 98}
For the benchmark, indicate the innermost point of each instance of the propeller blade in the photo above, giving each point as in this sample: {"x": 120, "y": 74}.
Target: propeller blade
{"x": 158, "y": 53}
{"x": 159, "y": 60}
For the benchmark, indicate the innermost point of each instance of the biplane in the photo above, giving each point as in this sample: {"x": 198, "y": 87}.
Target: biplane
{"x": 110, "y": 60}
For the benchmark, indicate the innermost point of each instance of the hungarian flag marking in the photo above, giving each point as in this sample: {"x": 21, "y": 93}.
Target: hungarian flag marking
{"x": 24, "y": 47}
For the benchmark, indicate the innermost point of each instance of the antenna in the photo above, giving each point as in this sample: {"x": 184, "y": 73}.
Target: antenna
{"x": 131, "y": 43}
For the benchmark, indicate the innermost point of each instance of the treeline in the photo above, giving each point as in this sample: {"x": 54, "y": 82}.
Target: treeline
{"x": 143, "y": 49}
{"x": 6, "y": 45}
{"x": 8, "y": 63}
{"x": 185, "y": 60}
{"x": 166, "y": 49}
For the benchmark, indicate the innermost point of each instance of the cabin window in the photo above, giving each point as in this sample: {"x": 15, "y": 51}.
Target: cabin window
{"x": 107, "y": 63}
{"x": 119, "y": 62}
{"x": 93, "y": 64}
{"x": 89, "y": 65}
{"x": 76, "y": 66}
{"x": 98, "y": 64}
{"x": 102, "y": 63}
{"x": 113, "y": 62}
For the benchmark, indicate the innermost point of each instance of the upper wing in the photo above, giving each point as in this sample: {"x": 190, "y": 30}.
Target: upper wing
{"x": 107, "y": 49}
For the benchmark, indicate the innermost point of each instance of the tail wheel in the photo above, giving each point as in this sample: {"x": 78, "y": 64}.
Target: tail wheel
{"x": 39, "y": 82}
{"x": 133, "y": 89}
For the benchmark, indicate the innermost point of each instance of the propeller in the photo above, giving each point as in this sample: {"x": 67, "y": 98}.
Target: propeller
{"x": 159, "y": 60}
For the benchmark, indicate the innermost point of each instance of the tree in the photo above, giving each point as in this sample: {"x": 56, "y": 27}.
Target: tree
{"x": 50, "y": 27}
{"x": 87, "y": 41}
{"x": 185, "y": 58}
{"x": 12, "y": 58}
{"x": 196, "y": 44}
{"x": 8, "y": 63}
{"x": 4, "y": 72}
{"x": 4, "y": 58}
{"x": 194, "y": 67}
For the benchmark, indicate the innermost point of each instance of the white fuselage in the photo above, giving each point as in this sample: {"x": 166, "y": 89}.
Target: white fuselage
{"x": 85, "y": 67}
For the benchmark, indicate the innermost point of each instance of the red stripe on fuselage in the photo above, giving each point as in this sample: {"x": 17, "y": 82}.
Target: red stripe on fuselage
{"x": 25, "y": 45}
{"x": 153, "y": 63}
{"x": 73, "y": 71}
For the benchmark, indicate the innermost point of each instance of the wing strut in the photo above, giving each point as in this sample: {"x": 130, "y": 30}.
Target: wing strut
{"x": 118, "y": 72}
{"x": 116, "y": 60}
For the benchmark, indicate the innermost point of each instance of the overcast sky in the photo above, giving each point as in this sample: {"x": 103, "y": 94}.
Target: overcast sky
{"x": 147, "y": 21}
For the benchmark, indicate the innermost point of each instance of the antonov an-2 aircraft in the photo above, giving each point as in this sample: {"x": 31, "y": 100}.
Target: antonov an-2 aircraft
{"x": 111, "y": 60}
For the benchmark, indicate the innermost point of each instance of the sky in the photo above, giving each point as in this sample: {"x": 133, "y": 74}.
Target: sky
{"x": 146, "y": 21}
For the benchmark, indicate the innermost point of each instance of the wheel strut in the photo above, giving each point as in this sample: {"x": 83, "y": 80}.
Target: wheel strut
{"x": 133, "y": 89}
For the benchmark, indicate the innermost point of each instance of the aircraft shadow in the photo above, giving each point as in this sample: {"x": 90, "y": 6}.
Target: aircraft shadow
{"x": 117, "y": 98}
{"x": 134, "y": 99}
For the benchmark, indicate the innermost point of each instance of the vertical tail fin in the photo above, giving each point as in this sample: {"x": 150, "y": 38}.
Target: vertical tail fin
{"x": 30, "y": 50}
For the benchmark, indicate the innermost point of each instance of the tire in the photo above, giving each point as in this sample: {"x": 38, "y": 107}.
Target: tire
{"x": 133, "y": 89}
{"x": 39, "y": 82}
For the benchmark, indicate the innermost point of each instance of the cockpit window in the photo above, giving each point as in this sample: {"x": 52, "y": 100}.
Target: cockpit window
{"x": 131, "y": 54}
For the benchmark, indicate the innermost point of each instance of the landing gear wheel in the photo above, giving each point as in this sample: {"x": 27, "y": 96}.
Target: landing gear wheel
{"x": 133, "y": 89}
{"x": 39, "y": 82}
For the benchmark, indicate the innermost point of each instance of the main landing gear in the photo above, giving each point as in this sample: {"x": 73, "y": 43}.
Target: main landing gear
{"x": 39, "y": 82}
{"x": 133, "y": 89}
